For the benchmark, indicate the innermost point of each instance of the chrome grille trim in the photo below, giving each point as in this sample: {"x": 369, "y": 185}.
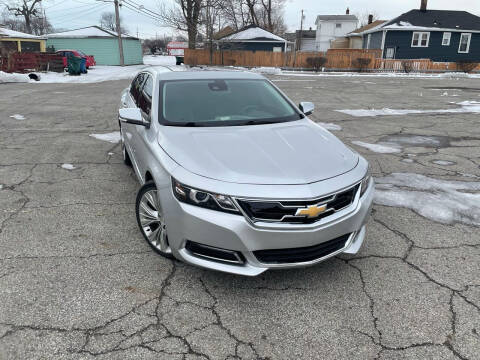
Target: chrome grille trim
{"x": 321, "y": 200}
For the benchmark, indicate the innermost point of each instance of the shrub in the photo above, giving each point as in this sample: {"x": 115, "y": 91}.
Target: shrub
{"x": 316, "y": 62}
{"x": 407, "y": 66}
{"x": 362, "y": 63}
{"x": 466, "y": 65}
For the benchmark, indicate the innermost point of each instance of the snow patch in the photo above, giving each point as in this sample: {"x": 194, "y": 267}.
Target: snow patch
{"x": 267, "y": 70}
{"x": 378, "y": 148}
{"x": 443, "y": 162}
{"x": 409, "y": 161}
{"x": 113, "y": 137}
{"x": 68, "y": 166}
{"x": 156, "y": 60}
{"x": 18, "y": 117}
{"x": 465, "y": 107}
{"x": 14, "y": 77}
{"x": 330, "y": 126}
{"x": 442, "y": 201}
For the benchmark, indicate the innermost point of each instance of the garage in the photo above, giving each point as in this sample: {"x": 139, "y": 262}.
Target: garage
{"x": 101, "y": 43}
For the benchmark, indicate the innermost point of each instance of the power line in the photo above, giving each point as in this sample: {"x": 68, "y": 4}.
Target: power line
{"x": 140, "y": 12}
{"x": 143, "y": 8}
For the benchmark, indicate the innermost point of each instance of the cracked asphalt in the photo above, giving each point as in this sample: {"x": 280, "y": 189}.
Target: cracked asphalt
{"x": 77, "y": 280}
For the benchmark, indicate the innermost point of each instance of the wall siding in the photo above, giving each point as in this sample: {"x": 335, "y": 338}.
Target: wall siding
{"x": 402, "y": 41}
{"x": 375, "y": 41}
{"x": 104, "y": 50}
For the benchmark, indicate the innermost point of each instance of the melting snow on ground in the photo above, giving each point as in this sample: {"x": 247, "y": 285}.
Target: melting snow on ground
{"x": 378, "y": 148}
{"x": 113, "y": 137}
{"x": 68, "y": 166}
{"x": 464, "y": 107}
{"x": 330, "y": 126}
{"x": 18, "y": 117}
{"x": 443, "y": 162}
{"x": 443, "y": 201}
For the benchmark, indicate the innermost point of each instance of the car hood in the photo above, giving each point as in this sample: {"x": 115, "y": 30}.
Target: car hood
{"x": 297, "y": 152}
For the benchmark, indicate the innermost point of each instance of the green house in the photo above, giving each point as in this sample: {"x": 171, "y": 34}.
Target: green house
{"x": 101, "y": 43}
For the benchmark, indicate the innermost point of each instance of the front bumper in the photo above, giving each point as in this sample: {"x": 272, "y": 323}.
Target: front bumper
{"x": 234, "y": 232}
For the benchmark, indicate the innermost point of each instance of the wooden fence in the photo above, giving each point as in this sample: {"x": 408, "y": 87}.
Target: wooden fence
{"x": 31, "y": 61}
{"x": 337, "y": 59}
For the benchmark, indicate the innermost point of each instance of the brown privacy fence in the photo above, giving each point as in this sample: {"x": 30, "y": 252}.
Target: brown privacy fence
{"x": 337, "y": 59}
{"x": 30, "y": 61}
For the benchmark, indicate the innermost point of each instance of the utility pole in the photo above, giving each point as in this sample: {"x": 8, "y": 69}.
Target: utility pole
{"x": 301, "y": 32}
{"x": 119, "y": 33}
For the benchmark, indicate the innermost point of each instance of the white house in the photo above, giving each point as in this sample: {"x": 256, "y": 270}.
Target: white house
{"x": 331, "y": 27}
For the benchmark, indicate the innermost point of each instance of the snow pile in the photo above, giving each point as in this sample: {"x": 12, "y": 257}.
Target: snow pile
{"x": 451, "y": 75}
{"x": 378, "y": 148}
{"x": 330, "y": 126}
{"x": 267, "y": 70}
{"x": 465, "y": 107}
{"x": 17, "y": 117}
{"x": 96, "y": 74}
{"x": 443, "y": 201}
{"x": 14, "y": 77}
{"x": 113, "y": 137}
{"x": 156, "y": 60}
{"x": 68, "y": 166}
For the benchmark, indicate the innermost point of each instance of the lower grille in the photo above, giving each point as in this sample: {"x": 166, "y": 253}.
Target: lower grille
{"x": 303, "y": 254}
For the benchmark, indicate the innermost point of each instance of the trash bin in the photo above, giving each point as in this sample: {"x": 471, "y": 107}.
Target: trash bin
{"x": 74, "y": 65}
{"x": 83, "y": 65}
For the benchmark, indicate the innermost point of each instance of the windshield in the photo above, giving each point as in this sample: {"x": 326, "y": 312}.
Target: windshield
{"x": 223, "y": 103}
{"x": 81, "y": 53}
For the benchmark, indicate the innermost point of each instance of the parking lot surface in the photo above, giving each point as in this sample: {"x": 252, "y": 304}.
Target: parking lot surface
{"x": 78, "y": 281}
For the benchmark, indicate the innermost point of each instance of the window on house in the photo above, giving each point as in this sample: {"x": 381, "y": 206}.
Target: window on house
{"x": 446, "y": 38}
{"x": 390, "y": 53}
{"x": 420, "y": 39}
{"x": 338, "y": 26}
{"x": 464, "y": 46}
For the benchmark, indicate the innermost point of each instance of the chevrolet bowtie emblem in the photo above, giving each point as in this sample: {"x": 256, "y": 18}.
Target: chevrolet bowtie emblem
{"x": 311, "y": 211}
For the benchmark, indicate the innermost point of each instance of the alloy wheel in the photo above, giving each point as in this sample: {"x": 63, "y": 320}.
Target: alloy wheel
{"x": 152, "y": 222}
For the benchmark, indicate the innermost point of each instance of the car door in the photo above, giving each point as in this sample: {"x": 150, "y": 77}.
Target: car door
{"x": 129, "y": 130}
{"x": 143, "y": 135}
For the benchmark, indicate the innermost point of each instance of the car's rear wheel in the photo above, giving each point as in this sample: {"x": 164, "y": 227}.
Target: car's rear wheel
{"x": 151, "y": 220}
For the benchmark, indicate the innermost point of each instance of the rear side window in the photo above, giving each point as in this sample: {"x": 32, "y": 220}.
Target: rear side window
{"x": 145, "y": 97}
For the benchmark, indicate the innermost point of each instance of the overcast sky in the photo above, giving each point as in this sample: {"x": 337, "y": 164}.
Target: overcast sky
{"x": 71, "y": 14}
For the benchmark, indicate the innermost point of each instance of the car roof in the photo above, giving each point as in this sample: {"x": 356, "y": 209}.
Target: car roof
{"x": 168, "y": 73}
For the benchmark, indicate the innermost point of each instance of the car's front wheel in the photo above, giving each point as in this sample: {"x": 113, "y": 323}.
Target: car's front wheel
{"x": 151, "y": 220}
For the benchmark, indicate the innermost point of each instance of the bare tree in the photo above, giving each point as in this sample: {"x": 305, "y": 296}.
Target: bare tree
{"x": 184, "y": 16}
{"x": 27, "y": 9}
{"x": 107, "y": 21}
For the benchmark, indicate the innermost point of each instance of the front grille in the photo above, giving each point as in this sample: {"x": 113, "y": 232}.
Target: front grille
{"x": 283, "y": 211}
{"x": 303, "y": 254}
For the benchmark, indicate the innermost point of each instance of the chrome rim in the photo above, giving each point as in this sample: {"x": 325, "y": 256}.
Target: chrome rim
{"x": 152, "y": 222}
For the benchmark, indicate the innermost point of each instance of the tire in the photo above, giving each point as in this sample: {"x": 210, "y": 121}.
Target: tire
{"x": 126, "y": 157}
{"x": 151, "y": 221}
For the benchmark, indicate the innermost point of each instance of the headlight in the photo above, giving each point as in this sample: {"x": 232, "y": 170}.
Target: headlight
{"x": 365, "y": 182}
{"x": 203, "y": 199}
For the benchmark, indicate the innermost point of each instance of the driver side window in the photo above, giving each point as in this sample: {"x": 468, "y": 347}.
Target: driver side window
{"x": 145, "y": 96}
{"x": 136, "y": 87}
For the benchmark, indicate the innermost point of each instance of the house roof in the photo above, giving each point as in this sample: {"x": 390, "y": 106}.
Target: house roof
{"x": 252, "y": 33}
{"x": 7, "y": 33}
{"x": 434, "y": 20}
{"x": 227, "y": 30}
{"x": 373, "y": 25}
{"x": 336, "y": 18}
{"x": 88, "y": 32}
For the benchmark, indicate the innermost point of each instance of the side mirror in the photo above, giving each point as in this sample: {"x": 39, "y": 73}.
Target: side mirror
{"x": 132, "y": 116}
{"x": 306, "y": 107}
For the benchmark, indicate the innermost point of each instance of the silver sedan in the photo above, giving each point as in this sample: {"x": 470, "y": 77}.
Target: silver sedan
{"x": 235, "y": 177}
